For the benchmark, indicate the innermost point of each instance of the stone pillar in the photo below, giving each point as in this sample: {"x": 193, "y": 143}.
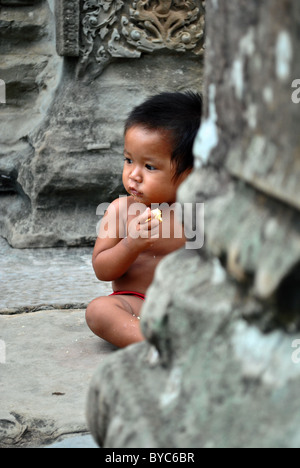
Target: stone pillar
{"x": 220, "y": 366}
{"x": 31, "y": 71}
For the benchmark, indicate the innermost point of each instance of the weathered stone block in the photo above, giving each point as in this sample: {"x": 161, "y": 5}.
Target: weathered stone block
{"x": 204, "y": 378}
{"x": 19, "y": 2}
{"x": 23, "y": 25}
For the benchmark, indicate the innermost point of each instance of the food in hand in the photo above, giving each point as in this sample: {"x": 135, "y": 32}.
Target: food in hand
{"x": 157, "y": 215}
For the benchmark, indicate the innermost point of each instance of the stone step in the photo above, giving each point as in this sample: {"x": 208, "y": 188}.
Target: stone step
{"x": 20, "y": 2}
{"x": 19, "y": 26}
{"x": 47, "y": 277}
{"x": 21, "y": 77}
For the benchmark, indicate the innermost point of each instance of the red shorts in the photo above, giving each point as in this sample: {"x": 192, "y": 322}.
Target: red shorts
{"x": 129, "y": 293}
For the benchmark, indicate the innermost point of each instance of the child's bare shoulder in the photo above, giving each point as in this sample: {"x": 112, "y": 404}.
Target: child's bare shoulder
{"x": 117, "y": 214}
{"x": 119, "y": 206}
{"x": 126, "y": 205}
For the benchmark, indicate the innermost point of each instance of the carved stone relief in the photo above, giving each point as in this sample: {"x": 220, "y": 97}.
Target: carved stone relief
{"x": 112, "y": 29}
{"x": 67, "y": 14}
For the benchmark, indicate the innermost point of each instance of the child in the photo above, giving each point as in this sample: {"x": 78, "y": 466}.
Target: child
{"x": 159, "y": 137}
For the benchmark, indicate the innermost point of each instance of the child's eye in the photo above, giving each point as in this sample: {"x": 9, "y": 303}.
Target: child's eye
{"x": 127, "y": 160}
{"x": 150, "y": 168}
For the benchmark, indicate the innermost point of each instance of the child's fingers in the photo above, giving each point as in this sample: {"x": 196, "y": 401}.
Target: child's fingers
{"x": 148, "y": 225}
{"x": 148, "y": 218}
{"x": 154, "y": 223}
{"x": 149, "y": 232}
{"x": 154, "y": 234}
{"x": 147, "y": 215}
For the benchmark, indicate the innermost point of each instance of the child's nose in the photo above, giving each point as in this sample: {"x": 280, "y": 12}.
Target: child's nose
{"x": 136, "y": 174}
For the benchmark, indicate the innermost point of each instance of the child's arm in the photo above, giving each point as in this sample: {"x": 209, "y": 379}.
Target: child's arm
{"x": 114, "y": 254}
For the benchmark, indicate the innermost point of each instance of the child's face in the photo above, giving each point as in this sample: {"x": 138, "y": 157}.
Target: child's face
{"x": 148, "y": 171}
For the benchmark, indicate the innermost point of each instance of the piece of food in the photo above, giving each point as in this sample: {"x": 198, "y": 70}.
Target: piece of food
{"x": 157, "y": 214}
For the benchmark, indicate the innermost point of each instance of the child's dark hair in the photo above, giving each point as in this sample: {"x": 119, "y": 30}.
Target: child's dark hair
{"x": 177, "y": 113}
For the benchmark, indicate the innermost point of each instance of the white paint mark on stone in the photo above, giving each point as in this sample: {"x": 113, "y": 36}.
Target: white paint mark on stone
{"x": 173, "y": 388}
{"x": 268, "y": 95}
{"x": 246, "y": 49}
{"x": 237, "y": 77}
{"x": 284, "y": 56}
{"x": 219, "y": 274}
{"x": 207, "y": 138}
{"x": 251, "y": 116}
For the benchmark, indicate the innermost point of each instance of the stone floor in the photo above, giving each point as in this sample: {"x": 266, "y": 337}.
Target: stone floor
{"x": 47, "y": 353}
{"x": 83, "y": 441}
{"x": 43, "y": 277}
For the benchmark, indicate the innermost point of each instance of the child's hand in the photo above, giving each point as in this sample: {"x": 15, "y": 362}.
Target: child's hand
{"x": 144, "y": 228}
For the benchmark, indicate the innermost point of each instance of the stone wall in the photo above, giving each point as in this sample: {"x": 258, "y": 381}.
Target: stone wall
{"x": 62, "y": 125}
{"x": 220, "y": 364}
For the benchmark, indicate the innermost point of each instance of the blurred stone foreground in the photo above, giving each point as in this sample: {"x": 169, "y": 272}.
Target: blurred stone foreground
{"x": 220, "y": 366}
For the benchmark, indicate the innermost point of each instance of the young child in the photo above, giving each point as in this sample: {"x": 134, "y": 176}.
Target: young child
{"x": 159, "y": 137}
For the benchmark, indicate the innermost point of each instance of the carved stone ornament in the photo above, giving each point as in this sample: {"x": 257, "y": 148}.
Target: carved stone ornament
{"x": 113, "y": 29}
{"x": 67, "y": 15}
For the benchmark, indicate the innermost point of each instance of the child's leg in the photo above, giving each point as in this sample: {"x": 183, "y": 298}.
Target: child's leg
{"x": 115, "y": 319}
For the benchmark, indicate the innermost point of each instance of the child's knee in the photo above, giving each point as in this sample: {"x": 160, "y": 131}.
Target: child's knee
{"x": 92, "y": 311}
{"x": 98, "y": 315}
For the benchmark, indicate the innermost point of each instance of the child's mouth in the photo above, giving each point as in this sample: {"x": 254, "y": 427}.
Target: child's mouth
{"x": 134, "y": 192}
